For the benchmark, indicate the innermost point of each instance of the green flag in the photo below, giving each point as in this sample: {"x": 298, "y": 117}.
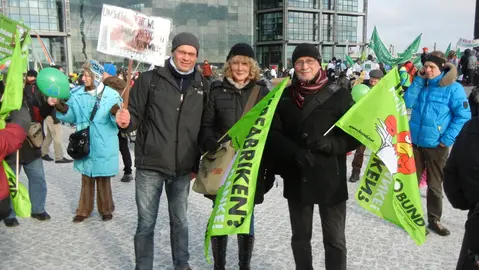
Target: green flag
{"x": 383, "y": 55}
{"x": 349, "y": 60}
{"x": 235, "y": 198}
{"x": 448, "y": 49}
{"x": 13, "y": 94}
{"x": 389, "y": 187}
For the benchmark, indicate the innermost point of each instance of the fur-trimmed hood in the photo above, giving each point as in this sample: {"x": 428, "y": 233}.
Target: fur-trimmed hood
{"x": 450, "y": 75}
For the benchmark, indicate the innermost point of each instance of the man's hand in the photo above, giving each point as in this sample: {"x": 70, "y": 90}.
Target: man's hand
{"x": 442, "y": 145}
{"x": 123, "y": 118}
{"x": 52, "y": 101}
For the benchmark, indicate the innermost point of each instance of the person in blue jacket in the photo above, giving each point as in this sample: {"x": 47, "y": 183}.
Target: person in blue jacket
{"x": 439, "y": 111}
{"x": 102, "y": 162}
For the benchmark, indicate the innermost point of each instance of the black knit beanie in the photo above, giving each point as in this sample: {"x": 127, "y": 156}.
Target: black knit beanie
{"x": 185, "y": 39}
{"x": 32, "y": 73}
{"x": 439, "y": 61}
{"x": 242, "y": 49}
{"x": 306, "y": 50}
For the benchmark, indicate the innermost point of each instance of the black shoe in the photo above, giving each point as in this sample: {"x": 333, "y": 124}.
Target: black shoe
{"x": 42, "y": 216}
{"x": 107, "y": 217}
{"x": 436, "y": 227}
{"x": 64, "y": 160}
{"x": 127, "y": 178}
{"x": 78, "y": 219}
{"x": 47, "y": 158}
{"x": 354, "y": 177}
{"x": 11, "y": 222}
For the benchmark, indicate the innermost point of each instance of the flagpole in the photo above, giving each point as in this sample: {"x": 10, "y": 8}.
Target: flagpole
{"x": 329, "y": 130}
{"x": 17, "y": 169}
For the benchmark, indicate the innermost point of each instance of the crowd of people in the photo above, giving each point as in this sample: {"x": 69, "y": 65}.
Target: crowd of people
{"x": 180, "y": 113}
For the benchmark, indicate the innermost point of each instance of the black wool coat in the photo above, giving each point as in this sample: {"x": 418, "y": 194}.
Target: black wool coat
{"x": 325, "y": 183}
{"x": 225, "y": 107}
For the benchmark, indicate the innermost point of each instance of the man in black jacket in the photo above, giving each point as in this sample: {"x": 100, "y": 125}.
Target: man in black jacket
{"x": 165, "y": 106}
{"x": 313, "y": 166}
{"x": 461, "y": 185}
{"x": 30, "y": 156}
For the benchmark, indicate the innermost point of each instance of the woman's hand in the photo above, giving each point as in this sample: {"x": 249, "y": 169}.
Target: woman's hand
{"x": 52, "y": 101}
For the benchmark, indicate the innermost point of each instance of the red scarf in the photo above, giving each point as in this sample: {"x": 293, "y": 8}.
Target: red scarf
{"x": 301, "y": 88}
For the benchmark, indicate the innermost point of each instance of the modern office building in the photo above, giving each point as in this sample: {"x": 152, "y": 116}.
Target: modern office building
{"x": 333, "y": 25}
{"x": 69, "y": 28}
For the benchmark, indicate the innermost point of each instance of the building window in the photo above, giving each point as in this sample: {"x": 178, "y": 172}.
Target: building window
{"x": 347, "y": 28}
{"x": 347, "y": 5}
{"x": 328, "y": 4}
{"x": 270, "y": 26}
{"x": 302, "y": 3}
{"x": 266, "y": 4}
{"x": 269, "y": 55}
{"x": 327, "y": 27}
{"x": 40, "y": 15}
{"x": 327, "y": 53}
{"x": 302, "y": 26}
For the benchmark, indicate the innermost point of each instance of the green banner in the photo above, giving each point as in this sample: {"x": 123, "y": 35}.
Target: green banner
{"x": 349, "y": 60}
{"x": 235, "y": 198}
{"x": 8, "y": 28}
{"x": 389, "y": 187}
{"x": 383, "y": 55}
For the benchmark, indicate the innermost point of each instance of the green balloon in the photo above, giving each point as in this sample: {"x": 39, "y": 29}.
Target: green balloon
{"x": 359, "y": 91}
{"x": 53, "y": 83}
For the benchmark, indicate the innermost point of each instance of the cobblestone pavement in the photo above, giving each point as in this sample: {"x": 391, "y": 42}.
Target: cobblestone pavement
{"x": 94, "y": 244}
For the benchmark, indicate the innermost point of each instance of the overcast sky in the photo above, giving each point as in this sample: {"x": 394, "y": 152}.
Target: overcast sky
{"x": 443, "y": 22}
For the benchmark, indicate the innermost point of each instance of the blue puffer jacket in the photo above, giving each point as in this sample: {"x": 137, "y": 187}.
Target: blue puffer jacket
{"x": 439, "y": 109}
{"x": 104, "y": 147}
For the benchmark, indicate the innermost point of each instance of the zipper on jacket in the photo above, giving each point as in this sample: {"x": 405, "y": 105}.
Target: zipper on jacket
{"x": 177, "y": 130}
{"x": 426, "y": 101}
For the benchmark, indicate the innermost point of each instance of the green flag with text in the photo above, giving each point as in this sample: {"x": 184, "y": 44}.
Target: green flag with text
{"x": 235, "y": 198}
{"x": 389, "y": 187}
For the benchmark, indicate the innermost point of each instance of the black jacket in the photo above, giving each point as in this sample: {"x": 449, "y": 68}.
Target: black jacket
{"x": 36, "y": 103}
{"x": 474, "y": 102}
{"x": 168, "y": 121}
{"x": 325, "y": 183}
{"x": 461, "y": 173}
{"x": 224, "y": 109}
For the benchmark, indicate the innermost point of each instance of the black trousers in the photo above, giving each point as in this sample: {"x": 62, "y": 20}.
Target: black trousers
{"x": 125, "y": 153}
{"x": 333, "y": 222}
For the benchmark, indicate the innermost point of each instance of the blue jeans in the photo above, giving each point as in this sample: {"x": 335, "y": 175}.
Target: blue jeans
{"x": 149, "y": 186}
{"x": 37, "y": 186}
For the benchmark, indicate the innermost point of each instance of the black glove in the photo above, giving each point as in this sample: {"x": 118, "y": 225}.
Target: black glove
{"x": 304, "y": 159}
{"x": 323, "y": 145}
{"x": 211, "y": 146}
{"x": 21, "y": 118}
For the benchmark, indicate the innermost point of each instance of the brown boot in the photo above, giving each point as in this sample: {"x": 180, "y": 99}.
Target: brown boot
{"x": 245, "y": 250}
{"x": 218, "y": 245}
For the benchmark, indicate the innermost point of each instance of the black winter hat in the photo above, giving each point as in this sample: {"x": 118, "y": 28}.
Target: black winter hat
{"x": 306, "y": 50}
{"x": 32, "y": 73}
{"x": 242, "y": 49}
{"x": 376, "y": 74}
{"x": 185, "y": 39}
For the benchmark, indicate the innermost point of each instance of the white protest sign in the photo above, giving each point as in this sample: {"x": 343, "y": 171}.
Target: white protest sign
{"x": 130, "y": 34}
{"x": 468, "y": 43}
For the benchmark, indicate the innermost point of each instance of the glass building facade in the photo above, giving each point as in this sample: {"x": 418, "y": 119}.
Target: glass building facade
{"x": 69, "y": 28}
{"x": 332, "y": 25}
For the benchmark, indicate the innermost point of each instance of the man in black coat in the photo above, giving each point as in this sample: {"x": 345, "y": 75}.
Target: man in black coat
{"x": 461, "y": 185}
{"x": 313, "y": 166}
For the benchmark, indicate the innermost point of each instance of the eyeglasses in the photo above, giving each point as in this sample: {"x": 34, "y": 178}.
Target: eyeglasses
{"x": 308, "y": 62}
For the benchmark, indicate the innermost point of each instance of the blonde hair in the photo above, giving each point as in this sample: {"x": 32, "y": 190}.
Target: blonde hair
{"x": 254, "y": 70}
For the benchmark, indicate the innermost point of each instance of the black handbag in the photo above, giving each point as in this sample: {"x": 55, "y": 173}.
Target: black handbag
{"x": 79, "y": 145}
